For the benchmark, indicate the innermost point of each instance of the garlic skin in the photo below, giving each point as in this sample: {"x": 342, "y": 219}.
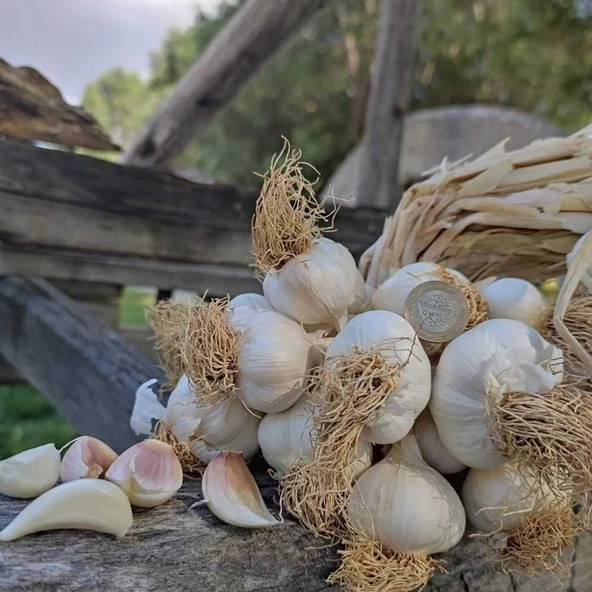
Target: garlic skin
{"x": 498, "y": 499}
{"x": 495, "y": 357}
{"x": 84, "y": 504}
{"x": 232, "y": 495}
{"x": 208, "y": 430}
{"x": 392, "y": 294}
{"x": 147, "y": 409}
{"x": 316, "y": 287}
{"x": 432, "y": 450}
{"x": 285, "y": 438}
{"x": 149, "y": 473}
{"x": 244, "y": 308}
{"x": 513, "y": 298}
{"x": 586, "y": 278}
{"x": 360, "y": 297}
{"x": 87, "y": 458}
{"x": 30, "y": 473}
{"x": 407, "y": 505}
{"x": 394, "y": 338}
{"x": 274, "y": 360}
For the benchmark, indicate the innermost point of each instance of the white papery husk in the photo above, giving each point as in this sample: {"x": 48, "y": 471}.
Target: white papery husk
{"x": 400, "y": 512}
{"x": 394, "y": 338}
{"x": 586, "y": 278}
{"x": 315, "y": 287}
{"x": 517, "y": 299}
{"x": 286, "y": 438}
{"x": 475, "y": 370}
{"x": 434, "y": 453}
{"x": 274, "y": 359}
{"x": 208, "y": 430}
{"x": 243, "y": 310}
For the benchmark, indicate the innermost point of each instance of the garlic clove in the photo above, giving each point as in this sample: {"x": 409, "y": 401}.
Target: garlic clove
{"x": 87, "y": 458}
{"x": 232, "y": 495}
{"x": 149, "y": 473}
{"x": 30, "y": 473}
{"x": 84, "y": 504}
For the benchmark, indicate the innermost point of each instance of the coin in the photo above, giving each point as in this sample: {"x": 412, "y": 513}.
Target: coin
{"x": 438, "y": 311}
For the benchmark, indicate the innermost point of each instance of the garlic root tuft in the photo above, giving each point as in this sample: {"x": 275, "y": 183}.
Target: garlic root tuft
{"x": 548, "y": 434}
{"x": 541, "y": 542}
{"x": 370, "y": 566}
{"x": 287, "y": 214}
{"x": 190, "y": 464}
{"x": 347, "y": 392}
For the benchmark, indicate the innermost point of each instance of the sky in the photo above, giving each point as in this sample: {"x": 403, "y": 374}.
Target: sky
{"x": 71, "y": 42}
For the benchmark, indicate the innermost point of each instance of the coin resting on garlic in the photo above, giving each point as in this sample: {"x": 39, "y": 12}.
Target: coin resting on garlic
{"x": 30, "y": 473}
{"x": 84, "y": 504}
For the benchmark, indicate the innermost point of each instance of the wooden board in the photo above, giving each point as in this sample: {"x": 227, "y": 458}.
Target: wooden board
{"x": 76, "y": 217}
{"x": 251, "y": 37}
{"x": 87, "y": 370}
{"x": 171, "y": 549}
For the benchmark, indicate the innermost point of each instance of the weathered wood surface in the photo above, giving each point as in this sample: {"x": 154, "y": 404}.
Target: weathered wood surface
{"x": 388, "y": 102}
{"x": 171, "y": 549}
{"x": 87, "y": 370}
{"x": 255, "y": 32}
{"x": 75, "y": 217}
{"x": 32, "y": 108}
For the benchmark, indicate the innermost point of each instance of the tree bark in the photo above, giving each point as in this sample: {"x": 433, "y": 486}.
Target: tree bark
{"x": 250, "y": 38}
{"x": 388, "y": 102}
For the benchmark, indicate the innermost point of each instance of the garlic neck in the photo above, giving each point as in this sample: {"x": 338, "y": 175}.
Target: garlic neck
{"x": 406, "y": 451}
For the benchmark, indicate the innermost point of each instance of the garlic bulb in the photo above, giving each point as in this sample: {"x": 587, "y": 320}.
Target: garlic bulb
{"x": 244, "y": 308}
{"x": 84, "y": 504}
{"x": 394, "y": 338}
{"x": 274, "y": 360}
{"x": 392, "y": 294}
{"x": 285, "y": 438}
{"x": 30, "y": 473}
{"x": 232, "y": 495}
{"x": 88, "y": 458}
{"x": 315, "y": 287}
{"x": 149, "y": 473}
{"x": 586, "y": 278}
{"x": 360, "y": 296}
{"x": 226, "y": 426}
{"x": 513, "y": 298}
{"x": 432, "y": 450}
{"x": 478, "y": 368}
{"x": 406, "y": 504}
{"x": 498, "y": 499}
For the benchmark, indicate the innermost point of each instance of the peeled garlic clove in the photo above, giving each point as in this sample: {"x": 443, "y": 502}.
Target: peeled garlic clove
{"x": 30, "y": 473}
{"x": 231, "y": 493}
{"x": 85, "y": 504}
{"x": 87, "y": 458}
{"x": 149, "y": 473}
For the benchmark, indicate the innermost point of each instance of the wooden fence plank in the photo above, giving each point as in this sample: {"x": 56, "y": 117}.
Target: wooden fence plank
{"x": 99, "y": 221}
{"x": 86, "y": 370}
{"x": 236, "y": 53}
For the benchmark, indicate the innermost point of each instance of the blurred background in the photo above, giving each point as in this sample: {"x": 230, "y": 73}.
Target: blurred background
{"x": 119, "y": 59}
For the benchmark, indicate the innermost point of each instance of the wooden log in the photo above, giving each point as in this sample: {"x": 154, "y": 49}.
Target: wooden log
{"x": 390, "y": 93}
{"x": 86, "y": 370}
{"x": 171, "y": 549}
{"x": 32, "y": 108}
{"x": 75, "y": 217}
{"x": 255, "y": 32}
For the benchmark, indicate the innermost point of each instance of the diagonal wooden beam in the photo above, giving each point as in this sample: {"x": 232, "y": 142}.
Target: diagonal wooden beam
{"x": 253, "y": 35}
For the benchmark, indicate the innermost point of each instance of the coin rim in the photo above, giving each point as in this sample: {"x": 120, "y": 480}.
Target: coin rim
{"x": 459, "y": 325}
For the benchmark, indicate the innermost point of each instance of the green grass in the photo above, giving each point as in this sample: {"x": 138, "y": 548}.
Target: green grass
{"x": 27, "y": 420}
{"x": 132, "y": 306}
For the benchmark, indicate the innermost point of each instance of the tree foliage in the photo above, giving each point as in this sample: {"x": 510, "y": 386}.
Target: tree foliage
{"x": 527, "y": 54}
